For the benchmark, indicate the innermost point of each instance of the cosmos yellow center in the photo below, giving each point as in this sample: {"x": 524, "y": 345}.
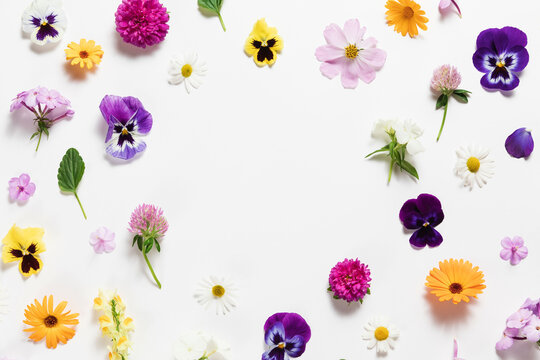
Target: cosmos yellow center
{"x": 83, "y": 54}
{"x": 50, "y": 321}
{"x": 351, "y": 51}
{"x": 408, "y": 12}
{"x": 473, "y": 164}
{"x": 124, "y": 131}
{"x": 381, "y": 333}
{"x": 455, "y": 288}
{"x": 218, "y": 291}
{"x": 187, "y": 70}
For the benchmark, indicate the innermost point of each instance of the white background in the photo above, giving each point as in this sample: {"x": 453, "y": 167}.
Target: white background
{"x": 262, "y": 177}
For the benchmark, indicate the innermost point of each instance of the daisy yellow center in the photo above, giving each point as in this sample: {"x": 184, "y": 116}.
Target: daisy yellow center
{"x": 408, "y": 12}
{"x": 50, "y": 321}
{"x": 187, "y": 70}
{"x": 455, "y": 288}
{"x": 473, "y": 164}
{"x": 83, "y": 54}
{"x": 351, "y": 51}
{"x": 381, "y": 333}
{"x": 281, "y": 345}
{"x": 124, "y": 131}
{"x": 218, "y": 291}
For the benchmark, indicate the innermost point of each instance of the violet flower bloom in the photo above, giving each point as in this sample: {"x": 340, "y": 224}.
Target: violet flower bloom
{"x": 21, "y": 189}
{"x": 349, "y": 280}
{"x": 47, "y": 108}
{"x": 128, "y": 121}
{"x": 102, "y": 240}
{"x": 423, "y": 214}
{"x": 348, "y": 53}
{"x": 520, "y": 143}
{"x": 142, "y": 22}
{"x": 286, "y": 335}
{"x": 500, "y": 55}
{"x": 513, "y": 250}
{"x": 532, "y": 329}
{"x": 45, "y": 21}
{"x": 445, "y": 4}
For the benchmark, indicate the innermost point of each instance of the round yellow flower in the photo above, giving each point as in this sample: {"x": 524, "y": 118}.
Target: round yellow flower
{"x": 406, "y": 17}
{"x": 24, "y": 246}
{"x": 85, "y": 53}
{"x": 263, "y": 44}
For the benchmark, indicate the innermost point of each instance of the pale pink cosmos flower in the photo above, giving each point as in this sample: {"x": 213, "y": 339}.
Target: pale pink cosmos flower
{"x": 445, "y": 4}
{"x": 513, "y": 249}
{"x": 349, "y": 54}
{"x": 102, "y": 240}
{"x": 446, "y": 79}
{"x": 20, "y": 188}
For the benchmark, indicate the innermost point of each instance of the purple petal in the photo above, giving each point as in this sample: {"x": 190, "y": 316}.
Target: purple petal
{"x": 505, "y": 254}
{"x": 30, "y": 189}
{"x": 486, "y": 38}
{"x": 274, "y": 354}
{"x": 518, "y": 241}
{"x": 295, "y": 346}
{"x": 520, "y": 143}
{"x": 275, "y": 335}
{"x": 522, "y": 252}
{"x": 500, "y": 42}
{"x": 431, "y": 209}
{"x": 493, "y": 81}
{"x": 144, "y": 121}
{"x": 507, "y": 243}
{"x": 517, "y": 58}
{"x": 125, "y": 151}
{"x": 483, "y": 58}
{"x": 115, "y": 106}
{"x": 514, "y": 259}
{"x": 515, "y": 36}
{"x": 410, "y": 215}
{"x": 24, "y": 179}
{"x": 293, "y": 323}
{"x": 426, "y": 235}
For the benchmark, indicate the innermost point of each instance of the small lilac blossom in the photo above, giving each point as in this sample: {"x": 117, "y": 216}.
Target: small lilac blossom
{"x": 507, "y": 340}
{"x": 520, "y": 143}
{"x": 532, "y": 329}
{"x": 446, "y": 78}
{"x": 513, "y": 250}
{"x": 533, "y": 305}
{"x": 519, "y": 319}
{"x": 102, "y": 240}
{"x": 21, "y": 189}
{"x": 445, "y": 4}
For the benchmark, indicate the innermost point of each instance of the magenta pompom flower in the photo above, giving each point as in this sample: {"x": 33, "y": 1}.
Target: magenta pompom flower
{"x": 513, "y": 250}
{"x": 349, "y": 280}
{"x": 142, "y": 22}
{"x": 149, "y": 225}
{"x": 20, "y": 188}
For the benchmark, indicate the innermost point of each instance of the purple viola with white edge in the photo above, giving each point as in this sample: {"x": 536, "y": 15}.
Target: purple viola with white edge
{"x": 520, "y": 143}
{"x": 286, "y": 336}
{"x": 45, "y": 21}
{"x": 128, "y": 121}
{"x": 423, "y": 214}
{"x": 501, "y": 55}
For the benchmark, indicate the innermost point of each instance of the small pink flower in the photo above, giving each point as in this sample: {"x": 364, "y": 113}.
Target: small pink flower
{"x": 513, "y": 249}
{"x": 48, "y": 97}
{"x": 445, "y": 4}
{"x": 21, "y": 189}
{"x": 445, "y": 79}
{"x": 103, "y": 240}
{"x": 348, "y": 53}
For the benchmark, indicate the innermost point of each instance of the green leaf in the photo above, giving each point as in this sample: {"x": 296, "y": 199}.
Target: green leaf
{"x": 46, "y": 131}
{"x": 148, "y": 245}
{"x": 405, "y": 165}
{"x": 70, "y": 173}
{"x": 136, "y": 239}
{"x": 34, "y": 135}
{"x": 213, "y": 6}
{"x": 384, "y": 148}
{"x": 461, "y": 97}
{"x": 140, "y": 242}
{"x": 461, "y": 91}
{"x": 158, "y": 247}
{"x": 368, "y": 291}
{"x": 336, "y": 297}
{"x": 441, "y": 101}
{"x": 329, "y": 288}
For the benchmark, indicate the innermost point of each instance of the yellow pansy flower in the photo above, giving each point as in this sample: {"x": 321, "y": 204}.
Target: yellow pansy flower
{"x": 263, "y": 44}
{"x": 24, "y": 246}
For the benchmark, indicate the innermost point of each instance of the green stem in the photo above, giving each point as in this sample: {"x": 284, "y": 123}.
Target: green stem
{"x": 79, "y": 201}
{"x": 390, "y": 173}
{"x": 221, "y": 21}
{"x": 443, "y": 120}
{"x": 39, "y": 140}
{"x": 151, "y": 270}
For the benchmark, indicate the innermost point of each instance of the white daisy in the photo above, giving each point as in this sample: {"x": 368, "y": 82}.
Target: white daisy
{"x": 198, "y": 345}
{"x": 187, "y": 69}
{"x": 218, "y": 291}
{"x": 45, "y": 21}
{"x": 474, "y": 165}
{"x": 380, "y": 333}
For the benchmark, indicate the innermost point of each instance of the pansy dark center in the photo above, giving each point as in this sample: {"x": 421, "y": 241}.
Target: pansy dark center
{"x": 218, "y": 291}
{"x": 83, "y": 54}
{"x": 351, "y": 51}
{"x": 50, "y": 321}
{"x": 264, "y": 46}
{"x": 473, "y": 164}
{"x": 408, "y": 12}
{"x": 455, "y": 288}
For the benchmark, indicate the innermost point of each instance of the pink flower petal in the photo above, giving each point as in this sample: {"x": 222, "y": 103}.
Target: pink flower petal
{"x": 373, "y": 57}
{"x": 505, "y": 254}
{"x": 30, "y": 189}
{"x": 329, "y": 53}
{"x": 24, "y": 179}
{"x": 335, "y": 36}
{"x": 368, "y": 43}
{"x": 522, "y": 252}
{"x": 330, "y": 70}
{"x": 14, "y": 193}
{"x": 353, "y": 32}
{"x": 507, "y": 243}
{"x": 349, "y": 79}
{"x": 23, "y": 196}
{"x": 444, "y": 4}
{"x": 514, "y": 259}
{"x": 109, "y": 246}
{"x": 363, "y": 71}
{"x": 517, "y": 241}
{"x": 13, "y": 182}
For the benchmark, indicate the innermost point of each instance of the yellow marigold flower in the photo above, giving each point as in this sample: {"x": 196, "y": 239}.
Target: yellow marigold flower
{"x": 85, "y": 53}
{"x": 48, "y": 323}
{"x": 263, "y": 44}
{"x": 24, "y": 246}
{"x": 455, "y": 280}
{"x": 406, "y": 17}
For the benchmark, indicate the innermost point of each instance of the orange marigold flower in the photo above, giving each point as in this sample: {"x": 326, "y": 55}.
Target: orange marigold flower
{"x": 85, "y": 53}
{"x": 455, "y": 280}
{"x": 406, "y": 17}
{"x": 48, "y": 323}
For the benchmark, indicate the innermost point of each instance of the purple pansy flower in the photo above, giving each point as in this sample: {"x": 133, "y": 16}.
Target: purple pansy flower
{"x": 45, "y": 21}
{"x": 520, "y": 143}
{"x": 286, "y": 335}
{"x": 20, "y": 188}
{"x": 128, "y": 121}
{"x": 500, "y": 54}
{"x": 423, "y": 214}
{"x": 513, "y": 250}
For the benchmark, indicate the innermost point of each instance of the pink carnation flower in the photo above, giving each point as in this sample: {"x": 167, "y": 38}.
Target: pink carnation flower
{"x": 348, "y": 53}
{"x": 445, "y": 79}
{"x": 513, "y": 250}
{"x": 20, "y": 188}
{"x": 102, "y": 240}
{"x": 142, "y": 22}
{"x": 349, "y": 280}
{"x": 148, "y": 221}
